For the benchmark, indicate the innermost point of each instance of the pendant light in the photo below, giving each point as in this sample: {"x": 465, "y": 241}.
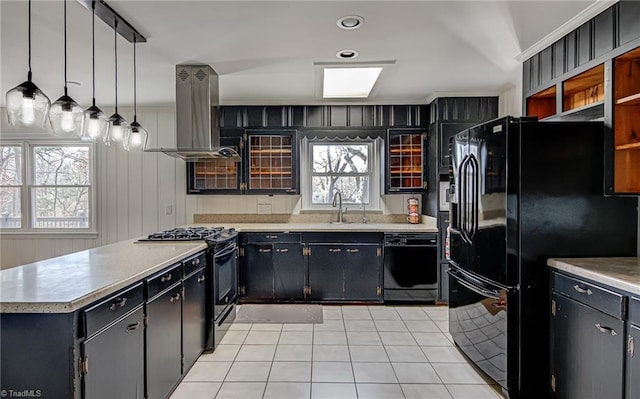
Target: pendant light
{"x": 66, "y": 114}
{"x": 138, "y": 135}
{"x": 95, "y": 121}
{"x": 118, "y": 127}
{"x": 27, "y": 105}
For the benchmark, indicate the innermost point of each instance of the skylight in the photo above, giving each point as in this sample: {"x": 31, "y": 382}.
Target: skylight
{"x": 349, "y": 82}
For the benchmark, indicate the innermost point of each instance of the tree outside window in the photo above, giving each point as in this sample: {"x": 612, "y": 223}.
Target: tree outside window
{"x": 340, "y": 167}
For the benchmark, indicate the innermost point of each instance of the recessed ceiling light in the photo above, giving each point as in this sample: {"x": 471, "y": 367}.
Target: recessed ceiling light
{"x": 349, "y": 82}
{"x": 347, "y": 54}
{"x": 350, "y": 22}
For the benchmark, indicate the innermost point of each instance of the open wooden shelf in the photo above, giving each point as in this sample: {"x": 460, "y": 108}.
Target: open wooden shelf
{"x": 633, "y": 99}
{"x": 405, "y": 150}
{"x": 542, "y": 104}
{"x": 589, "y": 112}
{"x": 627, "y": 123}
{"x": 583, "y": 89}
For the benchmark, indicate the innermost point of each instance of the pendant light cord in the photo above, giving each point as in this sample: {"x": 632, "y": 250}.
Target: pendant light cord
{"x": 135, "y": 102}
{"x": 29, "y": 36}
{"x": 65, "y": 47}
{"x": 93, "y": 49}
{"x": 115, "y": 46}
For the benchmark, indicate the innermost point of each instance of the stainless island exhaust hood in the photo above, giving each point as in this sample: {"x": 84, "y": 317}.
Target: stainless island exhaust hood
{"x": 197, "y": 116}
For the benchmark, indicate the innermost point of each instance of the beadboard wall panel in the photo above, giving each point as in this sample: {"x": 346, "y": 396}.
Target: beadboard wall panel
{"x": 132, "y": 195}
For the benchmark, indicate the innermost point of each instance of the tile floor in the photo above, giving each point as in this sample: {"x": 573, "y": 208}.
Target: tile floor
{"x": 360, "y": 352}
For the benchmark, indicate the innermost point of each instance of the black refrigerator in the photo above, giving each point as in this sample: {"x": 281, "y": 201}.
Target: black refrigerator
{"x": 523, "y": 191}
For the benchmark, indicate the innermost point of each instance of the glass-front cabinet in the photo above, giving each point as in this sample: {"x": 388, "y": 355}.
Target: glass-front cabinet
{"x": 626, "y": 124}
{"x": 405, "y": 161}
{"x": 268, "y": 166}
{"x": 271, "y": 161}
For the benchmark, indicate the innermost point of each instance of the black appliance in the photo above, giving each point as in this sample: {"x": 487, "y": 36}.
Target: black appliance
{"x": 223, "y": 247}
{"x": 410, "y": 267}
{"x": 523, "y": 191}
{"x": 221, "y": 273}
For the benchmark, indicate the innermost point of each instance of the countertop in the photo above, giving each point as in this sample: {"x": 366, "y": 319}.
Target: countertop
{"x": 69, "y": 282}
{"x": 621, "y": 273}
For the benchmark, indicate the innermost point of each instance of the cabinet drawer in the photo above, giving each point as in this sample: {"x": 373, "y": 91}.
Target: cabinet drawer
{"x": 634, "y": 310}
{"x": 194, "y": 263}
{"x": 271, "y": 237}
{"x": 106, "y": 312}
{"x": 599, "y": 298}
{"x": 164, "y": 279}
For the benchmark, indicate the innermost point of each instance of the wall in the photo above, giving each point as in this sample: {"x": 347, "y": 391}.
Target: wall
{"x": 128, "y": 205}
{"x": 510, "y": 99}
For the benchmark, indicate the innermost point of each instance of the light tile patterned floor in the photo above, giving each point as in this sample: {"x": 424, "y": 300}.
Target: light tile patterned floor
{"x": 359, "y": 352}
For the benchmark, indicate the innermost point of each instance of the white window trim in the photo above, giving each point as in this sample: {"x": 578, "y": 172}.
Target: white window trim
{"x": 375, "y": 162}
{"x": 27, "y": 185}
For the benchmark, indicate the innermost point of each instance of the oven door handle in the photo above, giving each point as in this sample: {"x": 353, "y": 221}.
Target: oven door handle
{"x": 228, "y": 250}
{"x": 478, "y": 290}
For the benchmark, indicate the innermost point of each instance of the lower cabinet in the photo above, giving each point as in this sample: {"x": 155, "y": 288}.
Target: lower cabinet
{"x": 194, "y": 316}
{"x": 587, "y": 340}
{"x": 288, "y": 271}
{"x": 345, "y": 272}
{"x": 115, "y": 359}
{"x": 163, "y": 338}
{"x": 632, "y": 353}
{"x": 256, "y": 272}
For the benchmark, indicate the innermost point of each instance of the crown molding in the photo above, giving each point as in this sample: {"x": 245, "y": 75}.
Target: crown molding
{"x": 439, "y": 94}
{"x": 583, "y": 16}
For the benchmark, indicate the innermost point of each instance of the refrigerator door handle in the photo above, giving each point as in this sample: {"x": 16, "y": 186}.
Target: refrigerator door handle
{"x": 478, "y": 290}
{"x": 474, "y": 197}
{"x": 464, "y": 205}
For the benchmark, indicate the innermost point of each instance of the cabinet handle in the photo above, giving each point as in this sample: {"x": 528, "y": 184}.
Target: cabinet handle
{"x": 165, "y": 278}
{"x": 606, "y": 330}
{"x": 352, "y": 250}
{"x": 630, "y": 345}
{"x": 582, "y": 290}
{"x": 201, "y": 279}
{"x": 335, "y": 250}
{"x": 133, "y": 327}
{"x": 271, "y": 237}
{"x": 282, "y": 250}
{"x": 175, "y": 298}
{"x": 118, "y": 303}
{"x": 195, "y": 262}
{"x": 265, "y": 250}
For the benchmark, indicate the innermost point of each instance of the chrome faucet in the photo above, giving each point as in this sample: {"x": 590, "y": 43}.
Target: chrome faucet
{"x": 365, "y": 219}
{"x": 338, "y": 194}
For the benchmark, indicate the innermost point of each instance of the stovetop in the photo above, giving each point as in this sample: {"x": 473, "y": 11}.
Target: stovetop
{"x": 187, "y": 234}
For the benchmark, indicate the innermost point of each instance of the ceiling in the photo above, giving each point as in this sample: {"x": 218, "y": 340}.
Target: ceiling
{"x": 265, "y": 51}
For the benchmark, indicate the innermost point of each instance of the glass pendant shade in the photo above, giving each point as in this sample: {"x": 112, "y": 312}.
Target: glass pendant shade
{"x": 66, "y": 117}
{"x": 137, "y": 137}
{"x": 27, "y": 105}
{"x": 117, "y": 130}
{"x": 94, "y": 124}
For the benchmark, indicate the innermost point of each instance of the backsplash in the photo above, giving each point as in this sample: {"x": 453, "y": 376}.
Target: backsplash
{"x": 288, "y": 205}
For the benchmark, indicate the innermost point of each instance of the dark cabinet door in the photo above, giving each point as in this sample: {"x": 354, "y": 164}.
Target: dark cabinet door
{"x": 271, "y": 162}
{"x": 193, "y": 318}
{"x": 256, "y": 273}
{"x": 633, "y": 360}
{"x": 288, "y": 271}
{"x": 116, "y": 360}
{"x": 216, "y": 176}
{"x": 163, "y": 332}
{"x": 362, "y": 267}
{"x": 587, "y": 349}
{"x": 326, "y": 271}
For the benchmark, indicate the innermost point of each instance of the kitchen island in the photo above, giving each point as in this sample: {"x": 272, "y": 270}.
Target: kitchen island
{"x": 595, "y": 323}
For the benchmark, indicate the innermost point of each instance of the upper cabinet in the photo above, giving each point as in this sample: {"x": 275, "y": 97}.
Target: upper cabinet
{"x": 593, "y": 73}
{"x": 627, "y": 122}
{"x": 405, "y": 161}
{"x": 268, "y": 166}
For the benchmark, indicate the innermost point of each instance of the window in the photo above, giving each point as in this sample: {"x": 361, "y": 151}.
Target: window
{"x": 350, "y": 167}
{"x": 52, "y": 183}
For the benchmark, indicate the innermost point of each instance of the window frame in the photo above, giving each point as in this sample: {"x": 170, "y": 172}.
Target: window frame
{"x": 375, "y": 173}
{"x": 27, "y": 199}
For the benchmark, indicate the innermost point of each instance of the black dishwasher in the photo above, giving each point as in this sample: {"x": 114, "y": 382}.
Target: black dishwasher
{"x": 410, "y": 267}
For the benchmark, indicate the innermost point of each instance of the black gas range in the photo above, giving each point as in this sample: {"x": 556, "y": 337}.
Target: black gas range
{"x": 221, "y": 272}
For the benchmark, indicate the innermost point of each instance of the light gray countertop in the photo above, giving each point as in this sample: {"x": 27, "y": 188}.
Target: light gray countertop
{"x": 621, "y": 273}
{"x": 69, "y": 282}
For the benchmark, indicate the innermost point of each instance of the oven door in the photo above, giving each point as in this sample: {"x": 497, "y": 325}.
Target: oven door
{"x": 478, "y": 321}
{"x": 225, "y": 269}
